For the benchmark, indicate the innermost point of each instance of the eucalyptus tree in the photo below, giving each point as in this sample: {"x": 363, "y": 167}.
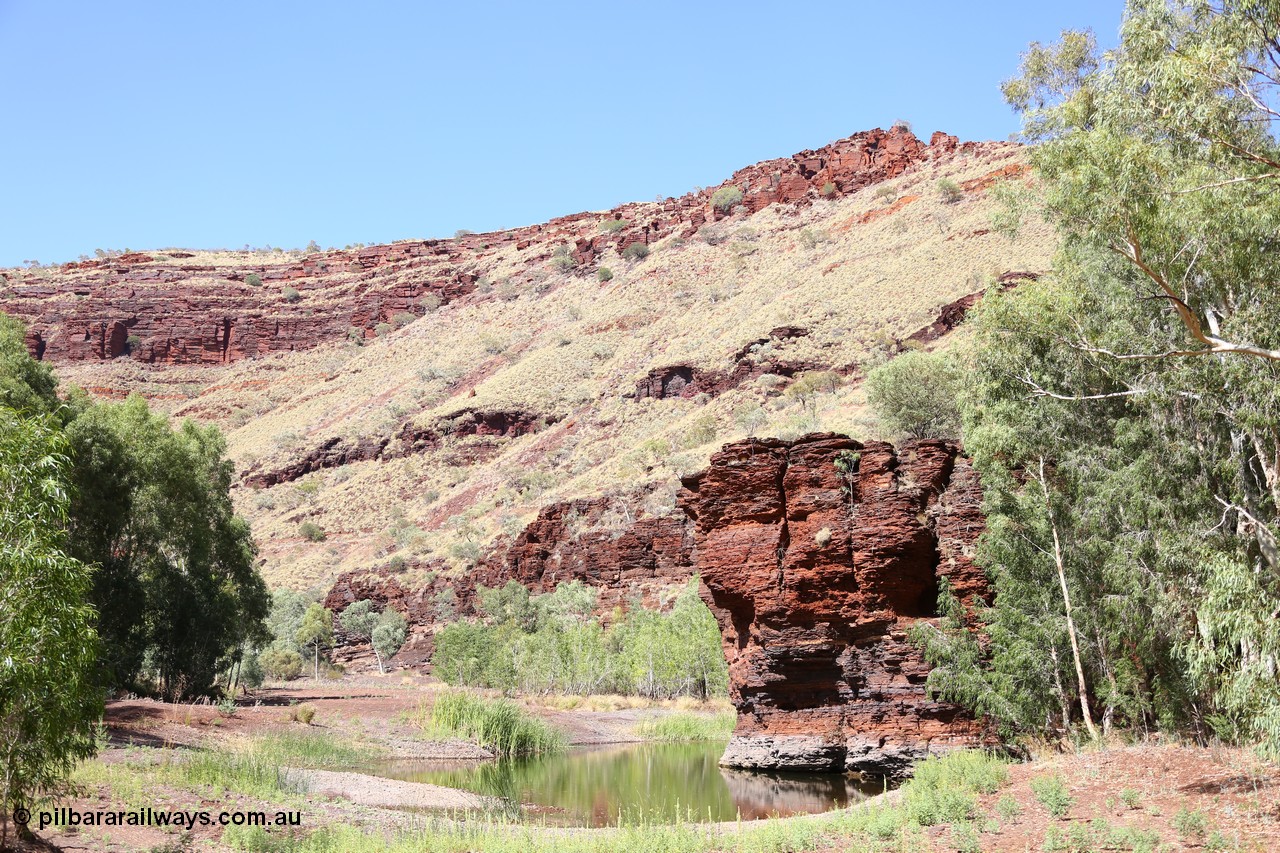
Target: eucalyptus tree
{"x": 1124, "y": 411}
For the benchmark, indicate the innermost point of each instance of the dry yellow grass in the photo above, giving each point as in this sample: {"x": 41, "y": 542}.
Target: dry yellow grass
{"x": 569, "y": 346}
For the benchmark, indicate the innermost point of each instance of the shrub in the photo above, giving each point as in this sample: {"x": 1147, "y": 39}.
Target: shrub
{"x": 498, "y": 725}
{"x": 291, "y": 294}
{"x": 1052, "y": 794}
{"x": 725, "y": 198}
{"x": 613, "y": 226}
{"x": 901, "y": 124}
{"x": 915, "y": 395}
{"x": 131, "y": 342}
{"x": 312, "y": 532}
{"x": 563, "y": 259}
{"x": 1008, "y": 809}
{"x": 712, "y": 235}
{"x": 823, "y": 537}
{"x": 1130, "y": 798}
{"x": 604, "y": 274}
{"x": 227, "y": 708}
{"x": 402, "y": 319}
{"x": 636, "y": 252}
{"x": 1189, "y": 824}
{"x": 303, "y": 713}
{"x": 383, "y": 329}
{"x": 828, "y": 189}
{"x": 949, "y": 191}
{"x": 253, "y": 280}
{"x": 281, "y": 664}
{"x": 429, "y": 302}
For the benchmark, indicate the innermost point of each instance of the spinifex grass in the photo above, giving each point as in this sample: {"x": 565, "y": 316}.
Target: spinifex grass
{"x": 496, "y": 724}
{"x": 682, "y": 727}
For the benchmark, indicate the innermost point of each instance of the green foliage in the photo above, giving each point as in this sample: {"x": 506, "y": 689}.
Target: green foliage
{"x": 311, "y": 531}
{"x": 49, "y": 701}
{"x": 1189, "y": 824}
{"x": 613, "y": 226}
{"x": 498, "y": 725}
{"x": 1130, "y": 798}
{"x": 253, "y": 280}
{"x": 635, "y": 252}
{"x": 726, "y": 198}
{"x": 949, "y": 191}
{"x": 1124, "y": 412}
{"x": 385, "y": 632}
{"x": 688, "y": 727}
{"x": 316, "y": 633}
{"x": 402, "y": 319}
{"x": 943, "y": 790}
{"x": 1007, "y": 809}
{"x": 383, "y": 329}
{"x": 26, "y": 385}
{"x": 828, "y": 189}
{"x": 291, "y": 294}
{"x": 551, "y": 643}
{"x": 916, "y": 395}
{"x": 604, "y": 274}
{"x": 1052, "y": 794}
{"x": 178, "y": 595}
{"x": 132, "y": 342}
{"x": 304, "y": 713}
{"x": 280, "y": 664}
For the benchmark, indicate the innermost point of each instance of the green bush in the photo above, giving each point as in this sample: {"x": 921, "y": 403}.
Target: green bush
{"x": 311, "y": 531}
{"x": 498, "y": 725}
{"x": 636, "y": 252}
{"x": 942, "y": 789}
{"x": 383, "y": 329}
{"x": 563, "y": 648}
{"x": 281, "y": 664}
{"x": 253, "y": 280}
{"x": 303, "y": 713}
{"x": 604, "y": 274}
{"x": 291, "y": 294}
{"x": 613, "y": 226}
{"x": 402, "y": 319}
{"x": 132, "y": 342}
{"x": 1190, "y": 824}
{"x": 1052, "y": 794}
{"x": 725, "y": 198}
{"x": 828, "y": 189}
{"x": 949, "y": 191}
{"x": 916, "y": 395}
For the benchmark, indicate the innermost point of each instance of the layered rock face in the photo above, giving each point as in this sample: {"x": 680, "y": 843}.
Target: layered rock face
{"x": 178, "y": 308}
{"x": 817, "y": 556}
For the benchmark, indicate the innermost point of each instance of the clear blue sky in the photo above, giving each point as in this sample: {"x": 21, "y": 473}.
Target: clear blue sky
{"x": 216, "y": 124}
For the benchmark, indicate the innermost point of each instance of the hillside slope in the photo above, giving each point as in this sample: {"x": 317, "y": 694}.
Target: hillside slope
{"x": 421, "y": 400}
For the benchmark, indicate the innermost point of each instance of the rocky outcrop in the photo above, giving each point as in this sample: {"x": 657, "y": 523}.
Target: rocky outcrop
{"x": 684, "y": 380}
{"x": 817, "y": 556}
{"x": 333, "y": 452}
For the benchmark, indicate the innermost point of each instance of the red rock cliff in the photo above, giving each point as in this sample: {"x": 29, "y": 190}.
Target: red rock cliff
{"x": 815, "y": 575}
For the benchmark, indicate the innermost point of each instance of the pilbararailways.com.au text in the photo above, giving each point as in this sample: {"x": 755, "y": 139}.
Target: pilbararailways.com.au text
{"x": 148, "y": 816}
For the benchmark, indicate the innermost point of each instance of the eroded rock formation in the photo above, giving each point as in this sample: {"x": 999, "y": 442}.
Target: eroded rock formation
{"x": 171, "y": 308}
{"x": 815, "y": 575}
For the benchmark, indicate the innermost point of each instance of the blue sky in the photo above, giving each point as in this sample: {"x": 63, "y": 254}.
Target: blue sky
{"x": 155, "y": 124}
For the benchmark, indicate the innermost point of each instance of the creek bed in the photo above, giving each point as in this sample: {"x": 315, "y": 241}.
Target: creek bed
{"x": 636, "y": 783}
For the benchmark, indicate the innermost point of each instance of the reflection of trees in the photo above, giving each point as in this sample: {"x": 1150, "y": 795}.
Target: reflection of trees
{"x": 649, "y": 782}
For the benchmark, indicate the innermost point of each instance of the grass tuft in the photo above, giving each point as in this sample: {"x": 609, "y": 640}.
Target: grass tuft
{"x": 498, "y": 725}
{"x": 687, "y": 727}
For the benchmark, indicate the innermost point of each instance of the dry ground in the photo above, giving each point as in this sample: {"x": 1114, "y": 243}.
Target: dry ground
{"x": 1191, "y": 798}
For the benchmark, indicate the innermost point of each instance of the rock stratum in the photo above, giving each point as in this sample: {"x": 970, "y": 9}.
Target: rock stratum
{"x": 165, "y": 308}
{"x": 817, "y": 556}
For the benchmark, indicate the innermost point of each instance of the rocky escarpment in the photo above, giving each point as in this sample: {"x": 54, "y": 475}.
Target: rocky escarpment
{"x": 817, "y": 556}
{"x": 180, "y": 308}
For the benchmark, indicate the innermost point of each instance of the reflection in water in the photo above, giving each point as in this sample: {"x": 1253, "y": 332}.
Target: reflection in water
{"x": 643, "y": 782}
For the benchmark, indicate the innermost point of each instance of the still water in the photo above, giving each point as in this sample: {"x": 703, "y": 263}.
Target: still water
{"x": 652, "y": 782}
